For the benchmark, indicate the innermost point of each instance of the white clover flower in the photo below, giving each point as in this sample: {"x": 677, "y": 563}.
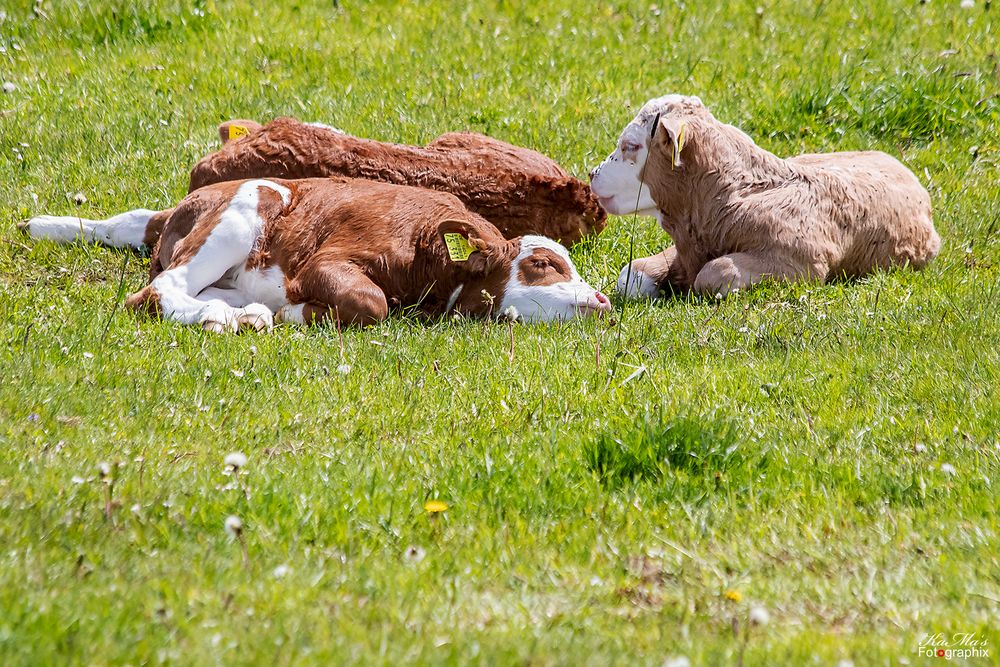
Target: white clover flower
{"x": 759, "y": 615}
{"x": 233, "y": 525}
{"x": 415, "y": 554}
{"x": 948, "y": 469}
{"x": 343, "y": 369}
{"x": 104, "y": 468}
{"x": 968, "y": 4}
{"x": 920, "y": 448}
{"x": 9, "y": 87}
{"x": 235, "y": 460}
{"x": 677, "y": 661}
{"x": 280, "y": 571}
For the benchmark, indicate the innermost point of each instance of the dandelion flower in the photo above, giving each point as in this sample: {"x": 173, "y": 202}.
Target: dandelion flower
{"x": 233, "y": 525}
{"x": 733, "y": 595}
{"x": 235, "y": 460}
{"x": 435, "y": 506}
{"x": 759, "y": 615}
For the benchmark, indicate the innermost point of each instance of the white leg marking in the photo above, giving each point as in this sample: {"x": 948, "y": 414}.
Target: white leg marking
{"x": 634, "y": 284}
{"x": 226, "y": 247}
{"x": 230, "y": 297}
{"x": 292, "y": 313}
{"x": 125, "y": 230}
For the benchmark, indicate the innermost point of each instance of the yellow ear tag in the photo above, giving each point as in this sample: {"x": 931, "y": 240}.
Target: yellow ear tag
{"x": 237, "y": 131}
{"x": 678, "y": 146}
{"x": 459, "y": 247}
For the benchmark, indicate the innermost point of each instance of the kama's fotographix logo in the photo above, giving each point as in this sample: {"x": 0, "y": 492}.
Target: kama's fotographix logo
{"x": 957, "y": 645}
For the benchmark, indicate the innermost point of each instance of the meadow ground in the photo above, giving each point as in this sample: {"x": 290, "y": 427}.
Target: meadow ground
{"x": 618, "y": 492}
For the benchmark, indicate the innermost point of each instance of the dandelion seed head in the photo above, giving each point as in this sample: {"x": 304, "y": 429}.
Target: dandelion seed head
{"x": 233, "y": 525}
{"x": 759, "y": 615}
{"x": 235, "y": 460}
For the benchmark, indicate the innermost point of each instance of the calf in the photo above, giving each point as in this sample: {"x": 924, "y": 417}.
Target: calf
{"x": 519, "y": 190}
{"x": 738, "y": 214}
{"x": 244, "y": 253}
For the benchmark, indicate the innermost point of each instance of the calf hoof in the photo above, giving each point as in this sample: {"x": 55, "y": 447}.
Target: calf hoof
{"x": 256, "y": 317}
{"x": 292, "y": 313}
{"x": 214, "y": 327}
{"x": 636, "y": 284}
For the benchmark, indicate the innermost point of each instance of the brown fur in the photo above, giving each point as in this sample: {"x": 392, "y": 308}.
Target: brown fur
{"x": 352, "y": 249}
{"x": 517, "y": 189}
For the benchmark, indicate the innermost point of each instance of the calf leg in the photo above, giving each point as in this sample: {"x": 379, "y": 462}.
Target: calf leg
{"x": 647, "y": 277}
{"x": 335, "y": 290}
{"x": 249, "y": 315}
{"x": 741, "y": 269}
{"x": 132, "y": 229}
{"x": 174, "y": 292}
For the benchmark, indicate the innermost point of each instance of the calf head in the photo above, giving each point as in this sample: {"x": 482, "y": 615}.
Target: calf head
{"x": 530, "y": 278}
{"x": 619, "y": 182}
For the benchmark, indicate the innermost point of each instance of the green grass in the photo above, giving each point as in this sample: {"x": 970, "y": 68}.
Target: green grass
{"x": 608, "y": 482}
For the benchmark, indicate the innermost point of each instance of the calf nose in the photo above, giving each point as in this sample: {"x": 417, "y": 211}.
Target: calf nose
{"x": 603, "y": 303}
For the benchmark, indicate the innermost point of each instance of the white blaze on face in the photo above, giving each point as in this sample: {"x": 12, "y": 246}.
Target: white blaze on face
{"x": 618, "y": 181}
{"x": 544, "y": 285}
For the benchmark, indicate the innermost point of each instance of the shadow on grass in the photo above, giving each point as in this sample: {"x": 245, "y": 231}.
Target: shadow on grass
{"x": 652, "y": 449}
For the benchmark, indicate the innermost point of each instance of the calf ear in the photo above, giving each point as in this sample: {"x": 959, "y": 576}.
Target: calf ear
{"x": 674, "y": 130}
{"x": 234, "y": 129}
{"x": 465, "y": 246}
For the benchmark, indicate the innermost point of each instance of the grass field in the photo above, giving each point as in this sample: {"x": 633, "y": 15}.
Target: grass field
{"x": 618, "y": 492}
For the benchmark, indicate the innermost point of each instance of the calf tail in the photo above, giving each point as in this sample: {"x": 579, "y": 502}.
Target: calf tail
{"x": 136, "y": 229}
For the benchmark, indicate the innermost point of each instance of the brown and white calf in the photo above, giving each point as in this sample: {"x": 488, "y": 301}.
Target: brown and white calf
{"x": 244, "y": 253}
{"x": 738, "y": 214}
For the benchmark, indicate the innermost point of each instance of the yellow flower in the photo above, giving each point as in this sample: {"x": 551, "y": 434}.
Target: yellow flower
{"x": 733, "y": 595}
{"x": 435, "y": 506}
